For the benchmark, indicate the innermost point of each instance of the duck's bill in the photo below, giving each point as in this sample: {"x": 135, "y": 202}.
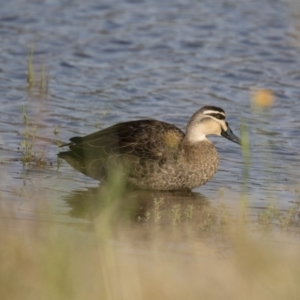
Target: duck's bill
{"x": 230, "y": 135}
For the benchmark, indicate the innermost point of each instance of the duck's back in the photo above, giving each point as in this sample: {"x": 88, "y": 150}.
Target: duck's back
{"x": 144, "y": 138}
{"x": 135, "y": 146}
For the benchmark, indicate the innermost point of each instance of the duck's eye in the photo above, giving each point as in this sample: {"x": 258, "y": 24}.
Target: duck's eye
{"x": 218, "y": 116}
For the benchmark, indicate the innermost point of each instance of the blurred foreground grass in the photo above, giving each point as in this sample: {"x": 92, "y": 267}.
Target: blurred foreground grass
{"x": 204, "y": 255}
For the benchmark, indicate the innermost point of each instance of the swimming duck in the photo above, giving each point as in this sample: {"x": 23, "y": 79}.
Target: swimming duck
{"x": 152, "y": 154}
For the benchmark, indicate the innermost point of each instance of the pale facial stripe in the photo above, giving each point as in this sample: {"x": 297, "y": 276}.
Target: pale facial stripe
{"x": 216, "y": 114}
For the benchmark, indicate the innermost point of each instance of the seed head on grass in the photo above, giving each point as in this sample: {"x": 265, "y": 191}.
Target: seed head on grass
{"x": 263, "y": 98}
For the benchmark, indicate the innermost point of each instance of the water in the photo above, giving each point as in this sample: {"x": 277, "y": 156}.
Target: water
{"x": 123, "y": 60}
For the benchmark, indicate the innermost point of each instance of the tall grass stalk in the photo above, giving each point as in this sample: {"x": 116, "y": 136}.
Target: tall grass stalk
{"x": 30, "y": 69}
{"x": 246, "y": 153}
{"x": 40, "y": 81}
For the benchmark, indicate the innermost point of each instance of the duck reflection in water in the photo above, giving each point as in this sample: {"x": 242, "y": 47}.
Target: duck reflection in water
{"x": 133, "y": 205}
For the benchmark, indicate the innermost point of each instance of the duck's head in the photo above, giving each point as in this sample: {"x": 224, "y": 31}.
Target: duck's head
{"x": 209, "y": 120}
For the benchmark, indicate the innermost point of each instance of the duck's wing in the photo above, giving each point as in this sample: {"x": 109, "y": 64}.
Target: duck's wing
{"x": 149, "y": 139}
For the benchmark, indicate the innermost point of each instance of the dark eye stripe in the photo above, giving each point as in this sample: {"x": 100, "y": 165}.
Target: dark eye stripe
{"x": 217, "y": 116}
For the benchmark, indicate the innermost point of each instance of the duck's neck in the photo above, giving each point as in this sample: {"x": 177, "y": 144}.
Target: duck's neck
{"x": 197, "y": 143}
{"x": 193, "y": 137}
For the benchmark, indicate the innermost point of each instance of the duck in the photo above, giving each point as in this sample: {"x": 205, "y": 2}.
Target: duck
{"x": 151, "y": 154}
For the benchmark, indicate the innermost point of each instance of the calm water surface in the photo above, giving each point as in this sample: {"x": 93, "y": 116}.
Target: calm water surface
{"x": 111, "y": 61}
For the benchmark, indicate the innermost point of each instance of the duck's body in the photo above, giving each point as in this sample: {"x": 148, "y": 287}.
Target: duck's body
{"x": 152, "y": 154}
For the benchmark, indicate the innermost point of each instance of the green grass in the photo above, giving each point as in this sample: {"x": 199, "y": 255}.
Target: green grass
{"x": 29, "y": 156}
{"x": 37, "y": 78}
{"x": 38, "y": 86}
{"x": 273, "y": 216}
{"x": 30, "y": 70}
